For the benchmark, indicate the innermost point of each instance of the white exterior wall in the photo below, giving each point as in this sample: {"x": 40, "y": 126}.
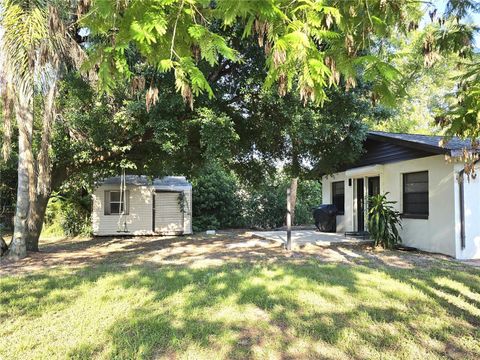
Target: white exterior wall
{"x": 344, "y": 222}
{"x": 435, "y": 234}
{"x": 472, "y": 216}
{"x": 187, "y": 220}
{"x": 139, "y": 220}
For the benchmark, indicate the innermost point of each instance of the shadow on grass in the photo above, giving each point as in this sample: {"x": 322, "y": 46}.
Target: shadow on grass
{"x": 238, "y": 310}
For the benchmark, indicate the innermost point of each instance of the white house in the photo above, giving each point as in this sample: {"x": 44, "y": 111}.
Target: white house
{"x": 440, "y": 206}
{"x": 161, "y": 207}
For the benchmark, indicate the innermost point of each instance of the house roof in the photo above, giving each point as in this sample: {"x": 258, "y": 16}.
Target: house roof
{"x": 429, "y": 143}
{"x": 385, "y": 147}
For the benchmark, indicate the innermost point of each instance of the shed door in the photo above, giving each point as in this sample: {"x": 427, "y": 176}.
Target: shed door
{"x": 168, "y": 217}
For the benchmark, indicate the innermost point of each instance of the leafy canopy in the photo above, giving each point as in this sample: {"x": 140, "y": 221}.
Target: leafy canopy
{"x": 309, "y": 45}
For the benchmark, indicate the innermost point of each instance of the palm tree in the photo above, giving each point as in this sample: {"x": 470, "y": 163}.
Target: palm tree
{"x": 32, "y": 47}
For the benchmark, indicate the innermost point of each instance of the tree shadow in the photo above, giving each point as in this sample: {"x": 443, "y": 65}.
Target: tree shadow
{"x": 239, "y": 309}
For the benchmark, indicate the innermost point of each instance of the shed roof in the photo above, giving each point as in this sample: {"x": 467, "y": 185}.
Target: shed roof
{"x": 129, "y": 180}
{"x": 142, "y": 180}
{"x": 171, "y": 181}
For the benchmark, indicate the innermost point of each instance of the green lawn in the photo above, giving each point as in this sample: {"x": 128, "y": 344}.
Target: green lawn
{"x": 298, "y": 307}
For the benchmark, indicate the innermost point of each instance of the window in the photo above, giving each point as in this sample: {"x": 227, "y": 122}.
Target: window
{"x": 338, "y": 196}
{"x": 415, "y": 195}
{"x": 114, "y": 202}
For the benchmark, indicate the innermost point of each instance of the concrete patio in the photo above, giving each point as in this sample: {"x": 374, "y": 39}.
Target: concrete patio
{"x": 302, "y": 237}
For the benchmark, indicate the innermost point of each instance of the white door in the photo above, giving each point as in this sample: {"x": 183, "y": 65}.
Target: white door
{"x": 168, "y": 216}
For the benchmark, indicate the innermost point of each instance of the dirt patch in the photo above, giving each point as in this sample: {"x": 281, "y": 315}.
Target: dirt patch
{"x": 202, "y": 250}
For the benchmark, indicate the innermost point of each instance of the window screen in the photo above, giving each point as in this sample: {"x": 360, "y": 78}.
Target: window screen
{"x": 415, "y": 194}
{"x": 338, "y": 196}
{"x": 115, "y": 203}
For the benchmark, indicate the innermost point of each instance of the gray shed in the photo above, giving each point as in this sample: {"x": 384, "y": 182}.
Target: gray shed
{"x": 159, "y": 207}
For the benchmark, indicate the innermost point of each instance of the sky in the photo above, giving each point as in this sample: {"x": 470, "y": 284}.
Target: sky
{"x": 441, "y": 5}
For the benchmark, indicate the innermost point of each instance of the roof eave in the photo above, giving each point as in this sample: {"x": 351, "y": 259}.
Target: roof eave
{"x": 414, "y": 145}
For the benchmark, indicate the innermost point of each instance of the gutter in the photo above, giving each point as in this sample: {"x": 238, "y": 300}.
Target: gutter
{"x": 461, "y": 181}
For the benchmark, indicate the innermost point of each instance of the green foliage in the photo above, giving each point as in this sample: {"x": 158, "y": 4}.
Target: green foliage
{"x": 383, "y": 221}
{"x": 309, "y": 45}
{"x": 68, "y": 216}
{"x": 216, "y": 201}
{"x": 265, "y": 204}
{"x": 221, "y": 201}
{"x": 309, "y": 195}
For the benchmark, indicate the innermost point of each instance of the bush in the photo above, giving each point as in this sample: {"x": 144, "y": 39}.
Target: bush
{"x": 219, "y": 201}
{"x": 216, "y": 199}
{"x": 383, "y": 221}
{"x": 265, "y": 205}
{"x": 68, "y": 215}
{"x": 309, "y": 196}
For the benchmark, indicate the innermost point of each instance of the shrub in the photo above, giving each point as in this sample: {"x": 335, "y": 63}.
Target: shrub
{"x": 216, "y": 199}
{"x": 265, "y": 205}
{"x": 383, "y": 221}
{"x": 68, "y": 215}
{"x": 309, "y": 195}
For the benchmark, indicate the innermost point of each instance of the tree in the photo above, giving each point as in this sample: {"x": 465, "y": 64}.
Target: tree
{"x": 452, "y": 34}
{"x": 309, "y": 45}
{"x": 34, "y": 45}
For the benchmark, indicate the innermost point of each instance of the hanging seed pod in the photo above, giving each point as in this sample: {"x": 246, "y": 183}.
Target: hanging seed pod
{"x": 137, "y": 84}
{"x": 350, "y": 83}
{"x": 351, "y": 11}
{"x": 279, "y": 57}
{"x": 349, "y": 45}
{"x": 196, "y": 52}
{"x": 306, "y": 94}
{"x": 260, "y": 28}
{"x": 268, "y": 48}
{"x": 328, "y": 20}
{"x": 83, "y": 6}
{"x": 151, "y": 97}
{"x": 282, "y": 85}
{"x": 383, "y": 5}
{"x": 187, "y": 95}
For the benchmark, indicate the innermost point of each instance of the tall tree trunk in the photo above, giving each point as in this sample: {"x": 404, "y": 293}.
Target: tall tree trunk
{"x": 43, "y": 180}
{"x": 24, "y": 115}
{"x": 293, "y": 197}
{"x": 36, "y": 217}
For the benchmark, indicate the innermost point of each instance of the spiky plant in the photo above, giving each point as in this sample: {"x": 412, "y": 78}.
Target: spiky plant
{"x": 383, "y": 222}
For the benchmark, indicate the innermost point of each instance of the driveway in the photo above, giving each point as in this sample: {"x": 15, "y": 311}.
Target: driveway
{"x": 303, "y": 237}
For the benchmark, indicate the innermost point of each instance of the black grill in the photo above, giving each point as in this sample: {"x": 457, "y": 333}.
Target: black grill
{"x": 326, "y": 218}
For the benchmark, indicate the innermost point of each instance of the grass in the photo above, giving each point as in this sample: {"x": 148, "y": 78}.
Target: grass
{"x": 262, "y": 308}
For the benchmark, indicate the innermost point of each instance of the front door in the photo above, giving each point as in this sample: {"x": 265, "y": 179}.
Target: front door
{"x": 373, "y": 187}
{"x": 360, "y": 206}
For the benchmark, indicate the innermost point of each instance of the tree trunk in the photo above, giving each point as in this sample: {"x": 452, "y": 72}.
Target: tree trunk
{"x": 293, "y": 196}
{"x": 24, "y": 115}
{"x": 289, "y": 244}
{"x": 35, "y": 221}
{"x": 43, "y": 180}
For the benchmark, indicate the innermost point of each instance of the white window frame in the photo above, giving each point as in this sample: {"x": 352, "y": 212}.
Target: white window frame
{"x": 125, "y": 203}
